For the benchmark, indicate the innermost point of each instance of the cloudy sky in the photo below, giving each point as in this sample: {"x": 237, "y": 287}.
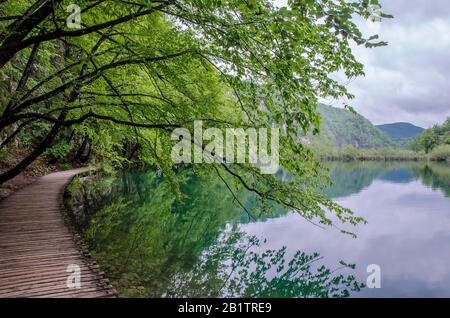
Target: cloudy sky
{"x": 408, "y": 80}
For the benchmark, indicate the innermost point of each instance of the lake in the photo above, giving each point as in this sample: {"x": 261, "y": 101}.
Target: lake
{"x": 203, "y": 244}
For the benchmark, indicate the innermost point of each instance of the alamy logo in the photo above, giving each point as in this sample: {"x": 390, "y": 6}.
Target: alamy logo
{"x": 374, "y": 13}
{"x": 74, "y": 279}
{"x": 74, "y": 19}
{"x": 374, "y": 278}
{"x": 237, "y": 145}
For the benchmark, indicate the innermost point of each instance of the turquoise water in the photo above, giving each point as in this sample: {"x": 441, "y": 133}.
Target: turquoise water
{"x": 205, "y": 245}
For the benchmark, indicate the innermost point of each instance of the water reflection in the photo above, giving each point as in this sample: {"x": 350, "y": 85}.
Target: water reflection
{"x": 408, "y": 232}
{"x": 153, "y": 245}
{"x": 235, "y": 267}
{"x": 354, "y": 177}
{"x": 204, "y": 245}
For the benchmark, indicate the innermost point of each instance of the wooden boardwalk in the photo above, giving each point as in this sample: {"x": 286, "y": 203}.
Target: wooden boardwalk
{"x": 37, "y": 245}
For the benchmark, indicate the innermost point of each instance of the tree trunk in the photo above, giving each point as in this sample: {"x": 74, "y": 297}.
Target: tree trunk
{"x": 19, "y": 31}
{"x": 80, "y": 151}
{"x": 21, "y": 166}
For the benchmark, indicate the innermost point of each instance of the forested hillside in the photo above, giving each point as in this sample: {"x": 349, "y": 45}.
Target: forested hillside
{"x": 401, "y": 130}
{"x": 341, "y": 127}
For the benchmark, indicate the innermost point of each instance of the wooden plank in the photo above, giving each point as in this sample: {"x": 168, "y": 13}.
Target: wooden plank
{"x": 55, "y": 266}
{"x": 36, "y": 247}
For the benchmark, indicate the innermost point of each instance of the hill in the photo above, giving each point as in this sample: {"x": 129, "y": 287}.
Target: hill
{"x": 401, "y": 130}
{"x": 340, "y": 128}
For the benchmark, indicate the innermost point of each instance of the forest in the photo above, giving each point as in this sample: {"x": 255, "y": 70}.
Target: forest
{"x": 94, "y": 93}
{"x": 106, "y": 85}
{"x": 434, "y": 141}
{"x": 346, "y": 135}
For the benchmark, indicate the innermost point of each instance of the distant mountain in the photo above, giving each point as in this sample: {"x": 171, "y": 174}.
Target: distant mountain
{"x": 401, "y": 130}
{"x": 340, "y": 128}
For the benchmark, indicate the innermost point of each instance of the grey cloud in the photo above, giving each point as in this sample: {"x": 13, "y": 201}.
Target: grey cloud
{"x": 416, "y": 11}
{"x": 409, "y": 79}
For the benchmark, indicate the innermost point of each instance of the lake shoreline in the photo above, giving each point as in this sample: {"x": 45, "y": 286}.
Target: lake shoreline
{"x": 361, "y": 155}
{"x": 351, "y": 153}
{"x": 136, "y": 229}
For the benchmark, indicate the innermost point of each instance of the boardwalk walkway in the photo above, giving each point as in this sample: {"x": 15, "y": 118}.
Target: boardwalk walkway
{"x": 36, "y": 246}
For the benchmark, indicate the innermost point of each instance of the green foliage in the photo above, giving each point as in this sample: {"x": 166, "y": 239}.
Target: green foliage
{"x": 430, "y": 138}
{"x": 139, "y": 69}
{"x": 441, "y": 153}
{"x": 350, "y": 153}
{"x": 59, "y": 151}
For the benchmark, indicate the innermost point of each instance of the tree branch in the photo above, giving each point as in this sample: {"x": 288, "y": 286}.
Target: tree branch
{"x": 11, "y": 47}
{"x": 85, "y": 77}
{"x": 91, "y": 114}
{"x": 19, "y": 29}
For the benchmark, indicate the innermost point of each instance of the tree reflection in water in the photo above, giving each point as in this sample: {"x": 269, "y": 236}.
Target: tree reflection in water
{"x": 152, "y": 244}
{"x": 234, "y": 268}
